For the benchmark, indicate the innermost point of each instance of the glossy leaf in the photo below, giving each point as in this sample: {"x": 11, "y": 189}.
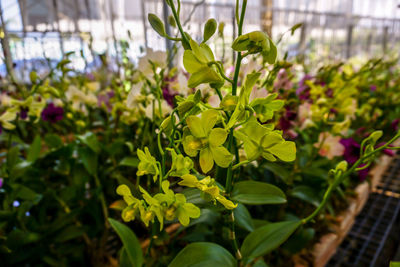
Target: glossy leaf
{"x": 243, "y": 217}
{"x": 267, "y": 238}
{"x": 130, "y": 242}
{"x": 203, "y": 254}
{"x": 306, "y": 194}
{"x": 257, "y": 193}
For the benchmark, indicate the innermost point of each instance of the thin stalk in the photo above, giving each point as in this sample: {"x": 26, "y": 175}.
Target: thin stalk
{"x": 178, "y": 22}
{"x": 340, "y": 179}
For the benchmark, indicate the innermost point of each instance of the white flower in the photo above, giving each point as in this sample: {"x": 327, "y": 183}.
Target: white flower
{"x": 133, "y": 95}
{"x": 158, "y": 58}
{"x": 165, "y": 109}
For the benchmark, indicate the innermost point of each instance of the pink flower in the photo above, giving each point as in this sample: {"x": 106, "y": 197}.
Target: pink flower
{"x": 329, "y": 145}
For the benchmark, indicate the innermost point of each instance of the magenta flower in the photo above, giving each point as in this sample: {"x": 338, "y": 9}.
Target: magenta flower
{"x": 52, "y": 113}
{"x": 387, "y": 151}
{"x": 395, "y": 124}
{"x": 303, "y": 91}
{"x": 23, "y": 114}
{"x": 351, "y": 150}
{"x": 352, "y": 154}
{"x": 168, "y": 96}
{"x": 372, "y": 88}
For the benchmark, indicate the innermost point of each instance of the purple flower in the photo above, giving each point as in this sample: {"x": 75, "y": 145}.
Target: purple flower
{"x": 372, "y": 88}
{"x": 105, "y": 99}
{"x": 395, "y": 124}
{"x": 1, "y": 182}
{"x": 351, "y": 150}
{"x": 52, "y": 113}
{"x": 168, "y": 96}
{"x": 1, "y": 129}
{"x": 303, "y": 91}
{"x": 387, "y": 151}
{"x": 23, "y": 114}
{"x": 329, "y": 93}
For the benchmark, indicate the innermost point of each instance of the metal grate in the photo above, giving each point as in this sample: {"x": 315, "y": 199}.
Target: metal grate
{"x": 373, "y": 238}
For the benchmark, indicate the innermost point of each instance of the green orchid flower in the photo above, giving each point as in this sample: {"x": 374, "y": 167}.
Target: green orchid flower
{"x": 189, "y": 103}
{"x": 256, "y": 42}
{"x": 176, "y": 205}
{"x": 265, "y": 107}
{"x": 239, "y": 114}
{"x": 200, "y": 136}
{"x": 259, "y": 140}
{"x": 181, "y": 165}
{"x": 167, "y": 205}
{"x": 198, "y": 62}
{"x": 147, "y": 164}
{"x": 208, "y": 186}
{"x": 33, "y": 106}
{"x": 134, "y": 205}
{"x": 7, "y": 117}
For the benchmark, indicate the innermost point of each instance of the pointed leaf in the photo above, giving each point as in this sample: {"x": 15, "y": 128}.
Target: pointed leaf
{"x": 131, "y": 243}
{"x": 203, "y": 254}
{"x": 257, "y": 193}
{"x": 34, "y": 149}
{"x": 267, "y": 238}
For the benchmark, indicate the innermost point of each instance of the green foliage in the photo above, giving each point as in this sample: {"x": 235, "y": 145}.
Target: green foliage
{"x": 257, "y": 193}
{"x": 131, "y": 248}
{"x": 203, "y": 254}
{"x": 267, "y": 238}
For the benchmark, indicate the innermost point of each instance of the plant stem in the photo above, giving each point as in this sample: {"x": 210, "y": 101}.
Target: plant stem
{"x": 239, "y": 54}
{"x": 178, "y": 23}
{"x": 340, "y": 179}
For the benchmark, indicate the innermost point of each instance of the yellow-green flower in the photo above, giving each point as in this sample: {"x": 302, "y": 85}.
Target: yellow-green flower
{"x": 6, "y": 119}
{"x": 196, "y": 62}
{"x": 148, "y": 164}
{"x": 208, "y": 186}
{"x": 259, "y": 140}
{"x": 200, "y": 136}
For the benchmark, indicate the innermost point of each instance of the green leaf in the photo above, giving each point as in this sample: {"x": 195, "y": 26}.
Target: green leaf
{"x": 203, "y": 254}
{"x": 243, "y": 217}
{"x": 70, "y": 232}
{"x": 278, "y": 170}
{"x": 129, "y": 161}
{"x": 89, "y": 159}
{"x": 124, "y": 259}
{"x": 34, "y": 149}
{"x": 91, "y": 141}
{"x": 257, "y": 193}
{"x": 157, "y": 24}
{"x": 12, "y": 157}
{"x": 130, "y": 241}
{"x": 267, "y": 238}
{"x": 306, "y": 194}
{"x": 299, "y": 240}
{"x": 53, "y": 141}
{"x": 209, "y": 29}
